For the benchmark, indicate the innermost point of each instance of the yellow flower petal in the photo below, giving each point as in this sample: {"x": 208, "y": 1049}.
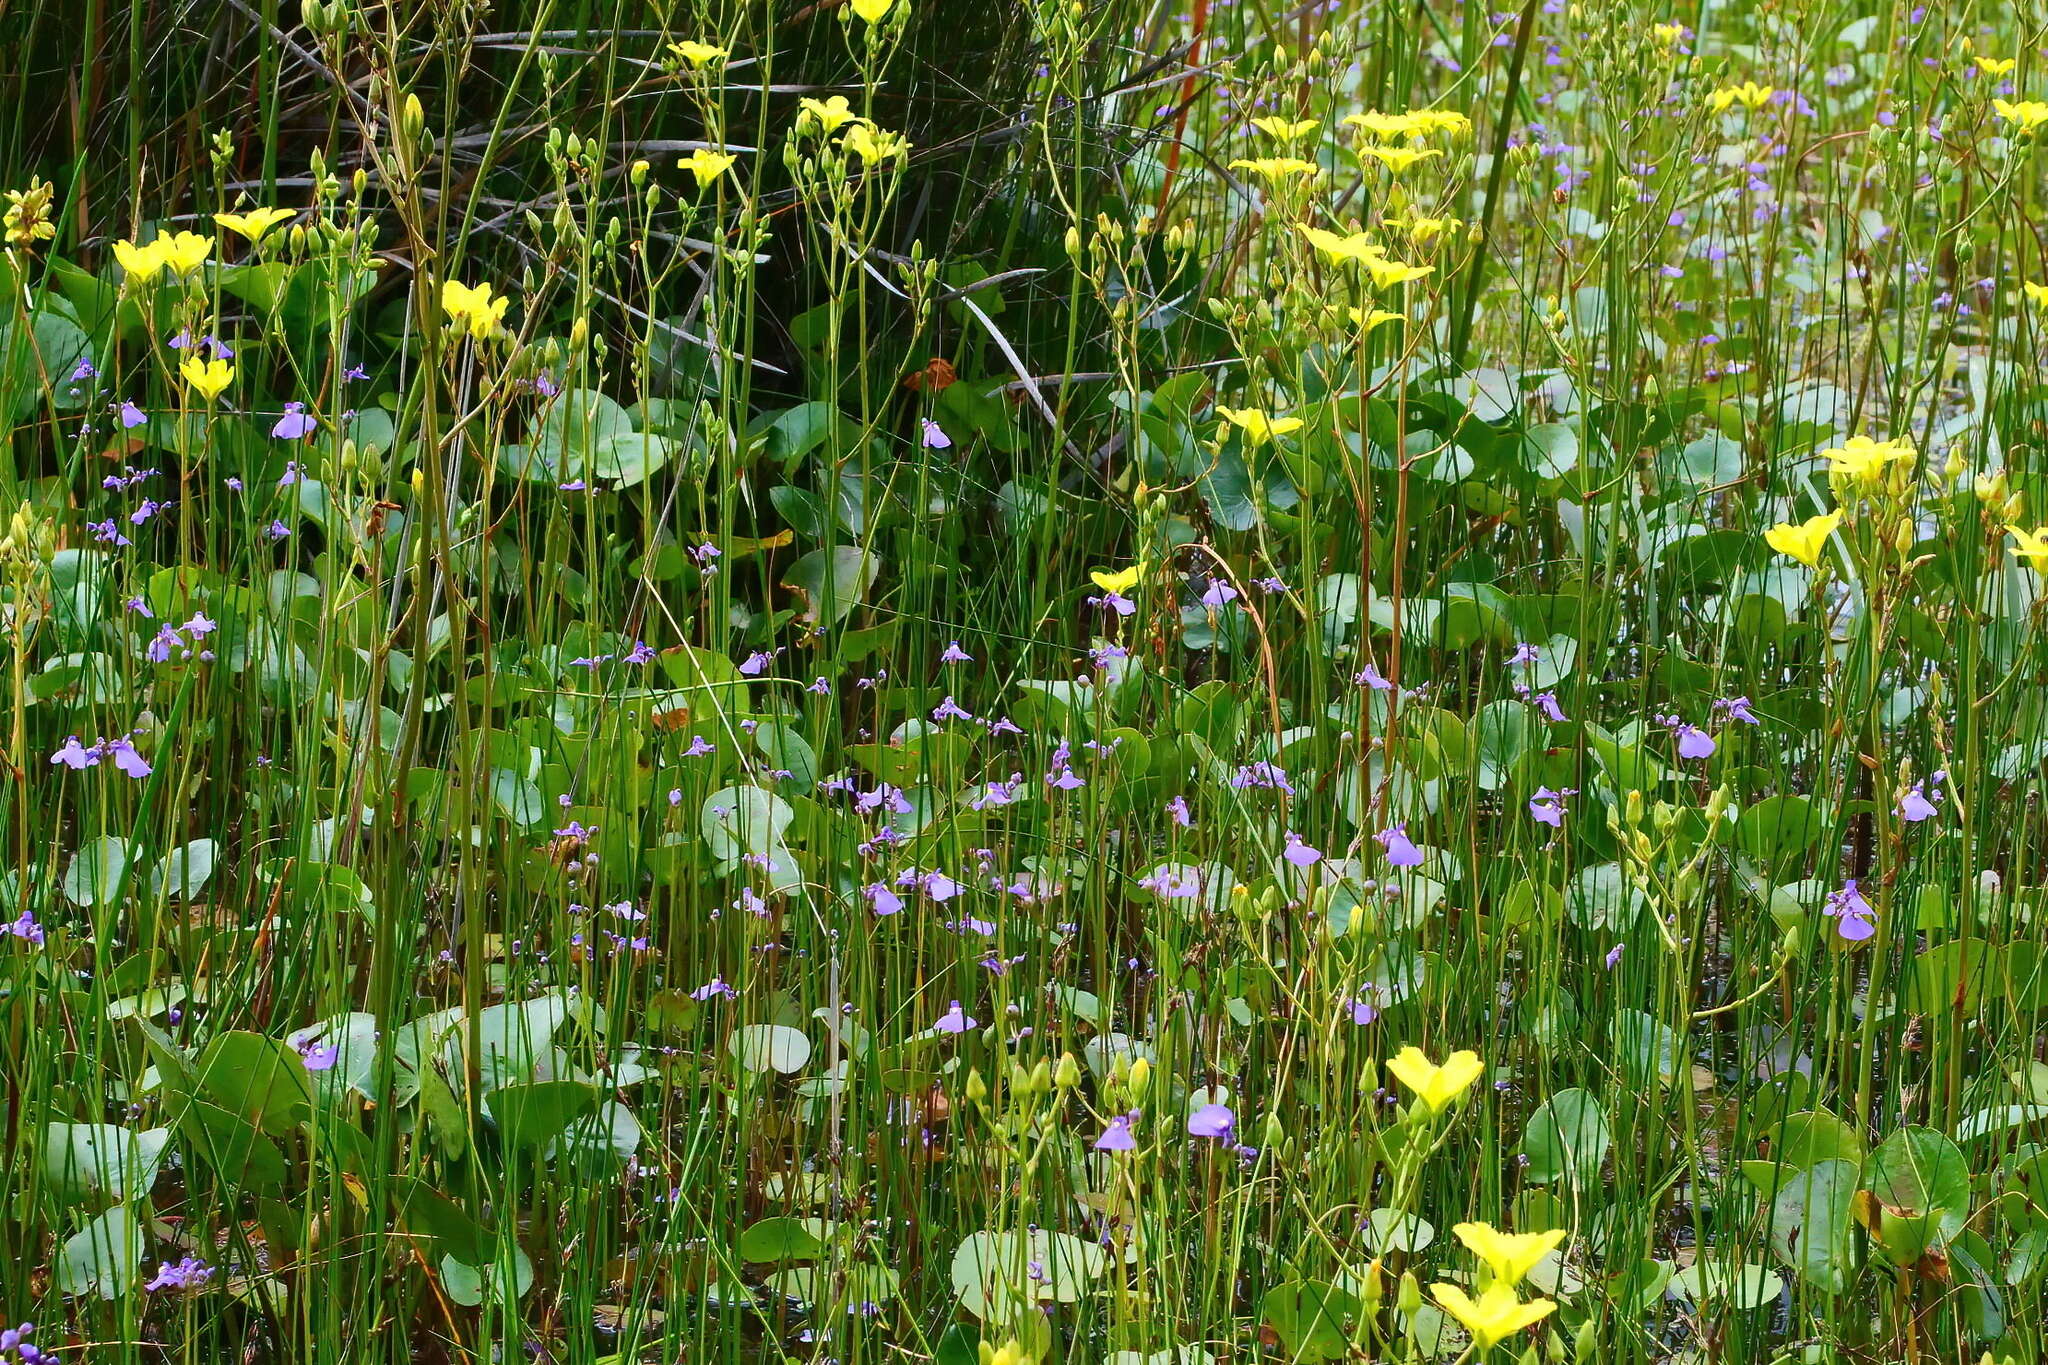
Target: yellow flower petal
{"x": 210, "y": 377}
{"x": 1120, "y": 582}
{"x": 1805, "y": 541}
{"x": 1509, "y": 1255}
{"x": 1494, "y": 1315}
{"x": 1437, "y": 1087}
{"x": 256, "y": 224}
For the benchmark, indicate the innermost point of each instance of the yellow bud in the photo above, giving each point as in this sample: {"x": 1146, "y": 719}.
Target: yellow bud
{"x": 976, "y": 1089}
{"x": 1068, "y": 1074}
{"x": 1141, "y": 1073}
{"x": 413, "y": 120}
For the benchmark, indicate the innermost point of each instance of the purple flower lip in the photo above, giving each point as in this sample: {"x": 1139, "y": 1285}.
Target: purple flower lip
{"x": 1211, "y": 1121}
{"x": 1400, "y": 850}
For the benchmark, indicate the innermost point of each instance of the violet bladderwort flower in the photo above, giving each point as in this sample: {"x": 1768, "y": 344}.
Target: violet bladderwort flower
{"x": 1116, "y": 1137}
{"x": 1922, "y": 801}
{"x": 1211, "y": 1121}
{"x": 1693, "y": 742}
{"x": 1547, "y": 806}
{"x": 1855, "y": 918}
{"x": 1299, "y": 853}
{"x": 954, "y": 1020}
{"x": 1400, "y": 850}
{"x": 294, "y": 425}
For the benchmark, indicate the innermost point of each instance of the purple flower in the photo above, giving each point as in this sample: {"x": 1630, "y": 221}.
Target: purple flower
{"x": 72, "y": 754}
{"x": 1116, "y": 602}
{"x": 1546, "y": 702}
{"x": 714, "y": 989}
{"x": 319, "y": 1056}
{"x": 1178, "y": 810}
{"x": 190, "y": 1273}
{"x": 954, "y": 1020}
{"x": 1854, "y": 916}
{"x": 1693, "y": 742}
{"x": 1737, "y": 708}
{"x": 294, "y": 425}
{"x": 1299, "y": 853}
{"x": 1370, "y": 676}
{"x": 1117, "y": 1136}
{"x": 953, "y": 654}
{"x": 1401, "y": 852}
{"x": 1362, "y": 1011}
{"x": 1919, "y": 803}
{"x": 934, "y": 436}
{"x": 16, "y": 1340}
{"x": 1547, "y": 806}
{"x": 25, "y": 927}
{"x": 1211, "y": 1121}
{"x": 83, "y": 370}
{"x": 1220, "y": 594}
{"x": 882, "y": 900}
{"x": 1614, "y": 955}
{"x": 756, "y": 662}
{"x": 1262, "y": 774}
{"x": 1524, "y": 654}
{"x": 950, "y": 710}
{"x": 132, "y": 416}
{"x": 1172, "y": 883}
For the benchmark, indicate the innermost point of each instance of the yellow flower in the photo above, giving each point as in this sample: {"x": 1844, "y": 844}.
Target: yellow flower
{"x": 1749, "y": 95}
{"x": 872, "y": 145}
{"x": 1438, "y": 1087}
{"x": 873, "y": 11}
{"x": 1388, "y": 273}
{"x": 2037, "y": 292}
{"x": 1422, "y": 230}
{"x": 2028, "y": 114}
{"x": 1277, "y": 167}
{"x": 2033, "y": 545}
{"x": 1997, "y": 66}
{"x": 1355, "y": 246}
{"x": 210, "y": 377}
{"x": 1120, "y": 582}
{"x": 140, "y": 263}
{"x": 1667, "y": 35}
{"x": 1863, "y": 458}
{"x": 1286, "y": 130}
{"x": 1385, "y": 126}
{"x": 706, "y": 165}
{"x": 1804, "y": 541}
{"x": 1509, "y": 1255}
{"x": 832, "y": 114}
{"x": 183, "y": 252}
{"x": 1258, "y": 428}
{"x": 254, "y": 225}
{"x": 1496, "y": 1315}
{"x": 1398, "y": 159}
{"x": 27, "y": 220}
{"x": 1441, "y": 121}
{"x": 698, "y": 55}
{"x": 1361, "y": 318}
{"x": 473, "y": 308}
